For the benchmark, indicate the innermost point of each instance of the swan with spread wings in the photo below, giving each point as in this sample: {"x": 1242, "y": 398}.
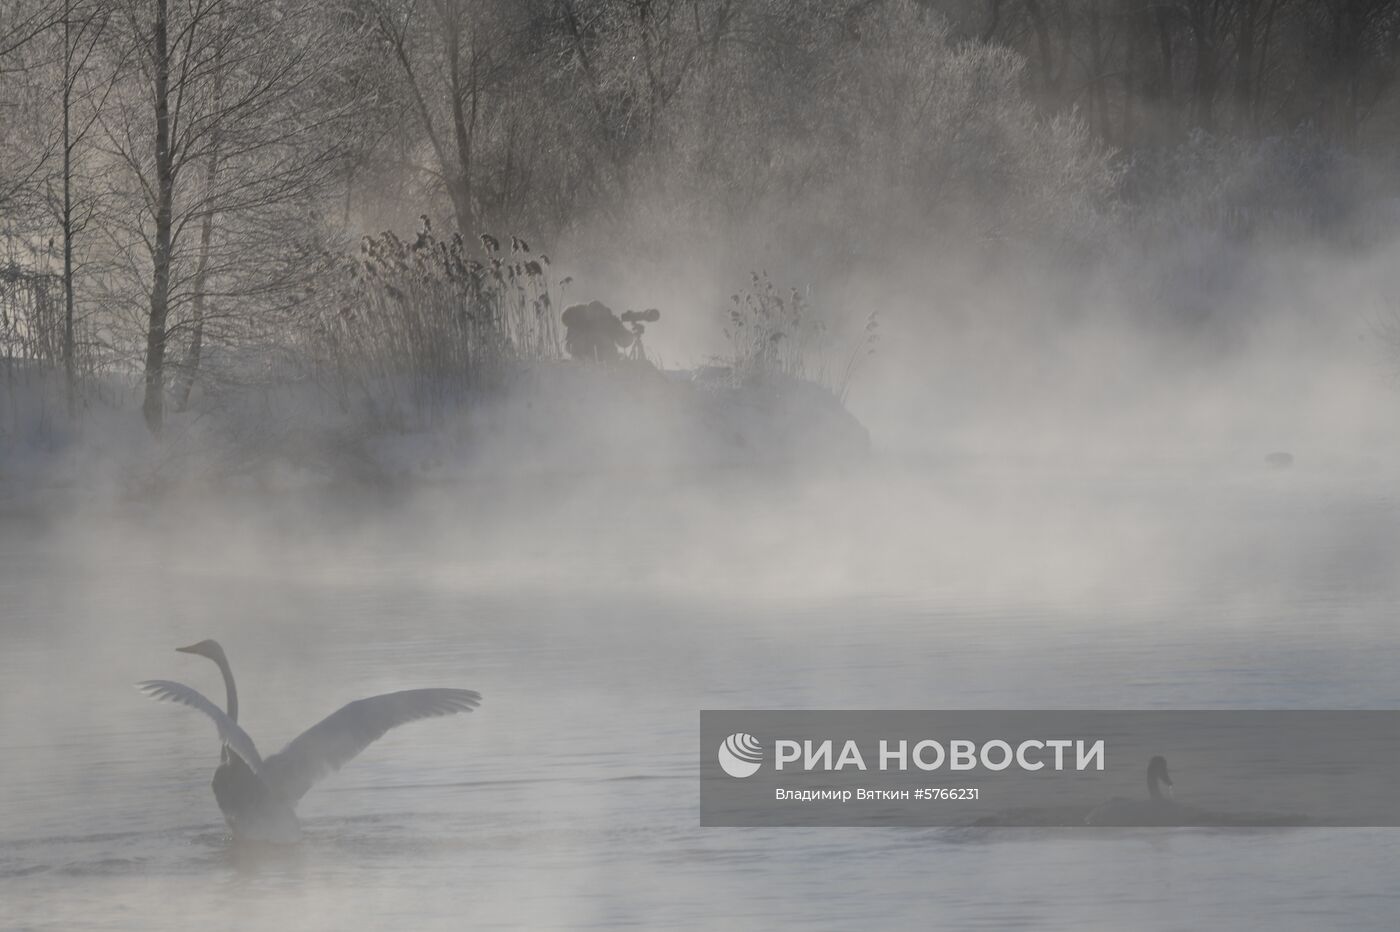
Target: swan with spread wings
{"x": 258, "y": 797}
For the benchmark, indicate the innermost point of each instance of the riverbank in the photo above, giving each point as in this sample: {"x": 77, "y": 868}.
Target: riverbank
{"x": 547, "y": 420}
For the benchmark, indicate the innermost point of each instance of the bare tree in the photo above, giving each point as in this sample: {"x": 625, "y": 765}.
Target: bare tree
{"x": 451, "y": 57}
{"x": 82, "y": 25}
{"x": 21, "y": 77}
{"x": 242, "y": 134}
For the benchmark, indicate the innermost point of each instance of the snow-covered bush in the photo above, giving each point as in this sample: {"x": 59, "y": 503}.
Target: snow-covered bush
{"x": 868, "y": 130}
{"x": 1291, "y": 185}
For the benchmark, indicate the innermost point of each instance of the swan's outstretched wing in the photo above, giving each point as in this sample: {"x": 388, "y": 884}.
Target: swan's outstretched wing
{"x": 327, "y": 745}
{"x": 229, "y": 733}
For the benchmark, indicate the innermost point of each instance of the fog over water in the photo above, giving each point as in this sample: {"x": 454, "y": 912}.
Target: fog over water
{"x": 597, "y": 619}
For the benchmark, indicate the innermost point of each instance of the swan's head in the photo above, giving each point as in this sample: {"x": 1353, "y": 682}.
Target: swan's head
{"x": 207, "y": 648}
{"x": 1157, "y": 773}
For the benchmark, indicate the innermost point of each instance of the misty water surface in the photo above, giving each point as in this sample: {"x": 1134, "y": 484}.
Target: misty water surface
{"x": 598, "y": 621}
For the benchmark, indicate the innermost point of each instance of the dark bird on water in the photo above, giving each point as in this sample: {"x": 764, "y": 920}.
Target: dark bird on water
{"x": 1156, "y": 809}
{"x": 258, "y": 797}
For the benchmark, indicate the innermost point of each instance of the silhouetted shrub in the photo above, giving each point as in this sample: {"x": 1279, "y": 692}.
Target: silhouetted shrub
{"x": 773, "y": 333}
{"x": 417, "y": 324}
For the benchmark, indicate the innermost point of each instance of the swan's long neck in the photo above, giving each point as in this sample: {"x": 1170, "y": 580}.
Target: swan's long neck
{"x": 1153, "y": 789}
{"x": 229, "y": 687}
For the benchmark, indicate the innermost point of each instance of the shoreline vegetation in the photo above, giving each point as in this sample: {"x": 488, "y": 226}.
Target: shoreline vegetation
{"x": 560, "y": 417}
{"x": 431, "y": 362}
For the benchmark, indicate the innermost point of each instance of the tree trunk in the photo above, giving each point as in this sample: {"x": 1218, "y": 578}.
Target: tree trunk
{"x": 463, "y": 124}
{"x": 1098, "y": 77}
{"x": 1244, "y": 67}
{"x": 190, "y": 369}
{"x": 1266, "y": 35}
{"x": 153, "y": 406}
{"x": 70, "y": 377}
{"x": 1042, "y": 40}
{"x": 1203, "y": 22}
{"x": 196, "y": 349}
{"x": 1131, "y": 86}
{"x": 1164, "y": 44}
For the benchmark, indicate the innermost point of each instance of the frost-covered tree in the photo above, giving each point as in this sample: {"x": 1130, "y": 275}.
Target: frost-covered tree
{"x": 223, "y": 146}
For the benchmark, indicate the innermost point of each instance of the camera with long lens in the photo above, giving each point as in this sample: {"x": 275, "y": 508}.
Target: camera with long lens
{"x": 650, "y": 316}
